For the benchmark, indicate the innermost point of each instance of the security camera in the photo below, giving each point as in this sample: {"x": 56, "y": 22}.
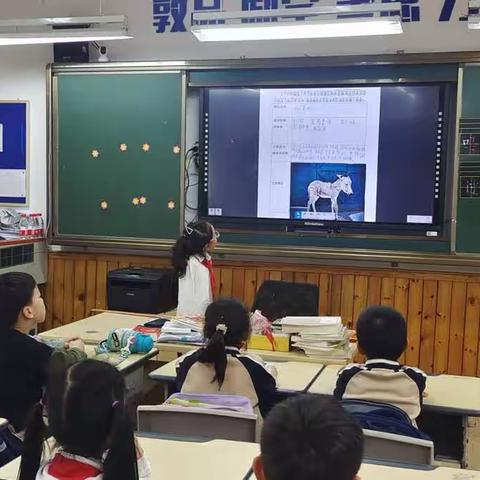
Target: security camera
{"x": 103, "y": 57}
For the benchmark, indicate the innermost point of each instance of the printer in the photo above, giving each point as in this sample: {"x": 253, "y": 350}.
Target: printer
{"x": 142, "y": 290}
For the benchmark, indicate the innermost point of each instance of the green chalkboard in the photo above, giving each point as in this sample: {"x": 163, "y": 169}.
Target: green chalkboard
{"x": 468, "y": 212}
{"x": 116, "y": 169}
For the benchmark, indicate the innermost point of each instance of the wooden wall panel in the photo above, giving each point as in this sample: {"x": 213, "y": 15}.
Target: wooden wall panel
{"x": 387, "y": 291}
{"x": 442, "y": 330}
{"x": 414, "y": 321}
{"x": 457, "y": 326}
{"x": 91, "y": 285}
{"x": 324, "y": 298}
{"x": 472, "y": 330}
{"x": 101, "y": 285}
{"x": 79, "y": 288}
{"x": 238, "y": 283}
{"x": 68, "y": 292}
{"x": 360, "y": 297}
{"x": 226, "y": 284}
{"x": 346, "y": 306}
{"x": 401, "y": 301}
{"x": 336, "y": 294}
{"x": 374, "y": 290}
{"x": 59, "y": 292}
{"x": 442, "y": 310}
{"x": 427, "y": 338}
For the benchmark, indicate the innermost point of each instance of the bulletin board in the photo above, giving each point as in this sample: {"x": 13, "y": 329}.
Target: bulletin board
{"x": 14, "y": 153}
{"x": 116, "y": 170}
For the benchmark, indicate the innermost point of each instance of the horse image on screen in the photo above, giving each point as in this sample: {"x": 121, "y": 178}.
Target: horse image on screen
{"x": 327, "y": 191}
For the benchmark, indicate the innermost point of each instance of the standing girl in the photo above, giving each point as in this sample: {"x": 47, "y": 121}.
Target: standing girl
{"x": 193, "y": 265}
{"x": 89, "y": 422}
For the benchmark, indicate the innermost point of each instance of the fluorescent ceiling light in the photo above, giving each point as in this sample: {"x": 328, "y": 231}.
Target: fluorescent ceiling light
{"x": 30, "y": 31}
{"x": 315, "y": 28}
{"x": 296, "y": 23}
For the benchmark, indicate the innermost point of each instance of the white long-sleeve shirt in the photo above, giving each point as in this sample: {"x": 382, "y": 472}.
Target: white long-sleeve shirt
{"x": 194, "y": 289}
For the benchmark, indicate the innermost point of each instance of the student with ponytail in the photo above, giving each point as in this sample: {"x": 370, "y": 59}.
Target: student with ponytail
{"x": 23, "y": 359}
{"x": 88, "y": 419}
{"x": 221, "y": 367}
{"x": 193, "y": 266}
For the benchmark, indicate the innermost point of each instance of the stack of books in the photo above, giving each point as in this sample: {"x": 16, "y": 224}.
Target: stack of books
{"x": 323, "y": 338}
{"x": 183, "y": 330}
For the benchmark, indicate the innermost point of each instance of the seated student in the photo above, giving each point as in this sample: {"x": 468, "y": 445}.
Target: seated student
{"x": 88, "y": 419}
{"x": 382, "y": 337}
{"x": 193, "y": 266}
{"x": 309, "y": 437}
{"x": 220, "y": 367}
{"x": 23, "y": 359}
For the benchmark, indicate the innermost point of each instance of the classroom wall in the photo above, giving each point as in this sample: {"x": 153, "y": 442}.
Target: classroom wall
{"x": 22, "y": 77}
{"x": 442, "y": 310}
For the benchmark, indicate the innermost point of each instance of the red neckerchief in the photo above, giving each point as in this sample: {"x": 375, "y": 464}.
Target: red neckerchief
{"x": 74, "y": 469}
{"x": 207, "y": 262}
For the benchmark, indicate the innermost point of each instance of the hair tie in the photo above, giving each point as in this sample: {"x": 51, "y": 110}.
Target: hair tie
{"x": 188, "y": 230}
{"x": 221, "y": 327}
{"x": 115, "y": 404}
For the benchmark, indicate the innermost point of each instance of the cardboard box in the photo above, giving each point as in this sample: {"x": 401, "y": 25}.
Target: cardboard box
{"x": 261, "y": 342}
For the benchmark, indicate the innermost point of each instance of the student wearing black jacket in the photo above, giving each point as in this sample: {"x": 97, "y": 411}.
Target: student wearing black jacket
{"x": 23, "y": 359}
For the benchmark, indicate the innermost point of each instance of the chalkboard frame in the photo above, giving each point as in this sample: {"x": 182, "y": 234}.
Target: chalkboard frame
{"x": 456, "y": 59}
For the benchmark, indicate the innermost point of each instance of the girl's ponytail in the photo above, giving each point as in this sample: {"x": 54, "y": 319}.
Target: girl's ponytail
{"x": 35, "y": 435}
{"x": 215, "y": 353}
{"x": 121, "y": 460}
{"x": 227, "y": 324}
{"x": 180, "y": 256}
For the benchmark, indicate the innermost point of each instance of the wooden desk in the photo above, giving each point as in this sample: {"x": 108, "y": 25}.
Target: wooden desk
{"x": 220, "y": 459}
{"x": 382, "y": 472}
{"x": 292, "y": 376}
{"x": 215, "y": 460}
{"x": 447, "y": 394}
{"x": 133, "y": 362}
{"x": 93, "y": 330}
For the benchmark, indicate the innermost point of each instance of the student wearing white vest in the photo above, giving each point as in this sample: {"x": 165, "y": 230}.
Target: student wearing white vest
{"x": 193, "y": 264}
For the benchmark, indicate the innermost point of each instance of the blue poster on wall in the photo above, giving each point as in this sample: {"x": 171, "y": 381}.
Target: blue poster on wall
{"x": 13, "y": 152}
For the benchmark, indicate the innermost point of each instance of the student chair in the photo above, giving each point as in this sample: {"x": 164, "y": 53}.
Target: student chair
{"x": 388, "y": 447}
{"x": 276, "y": 299}
{"x": 215, "y": 422}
